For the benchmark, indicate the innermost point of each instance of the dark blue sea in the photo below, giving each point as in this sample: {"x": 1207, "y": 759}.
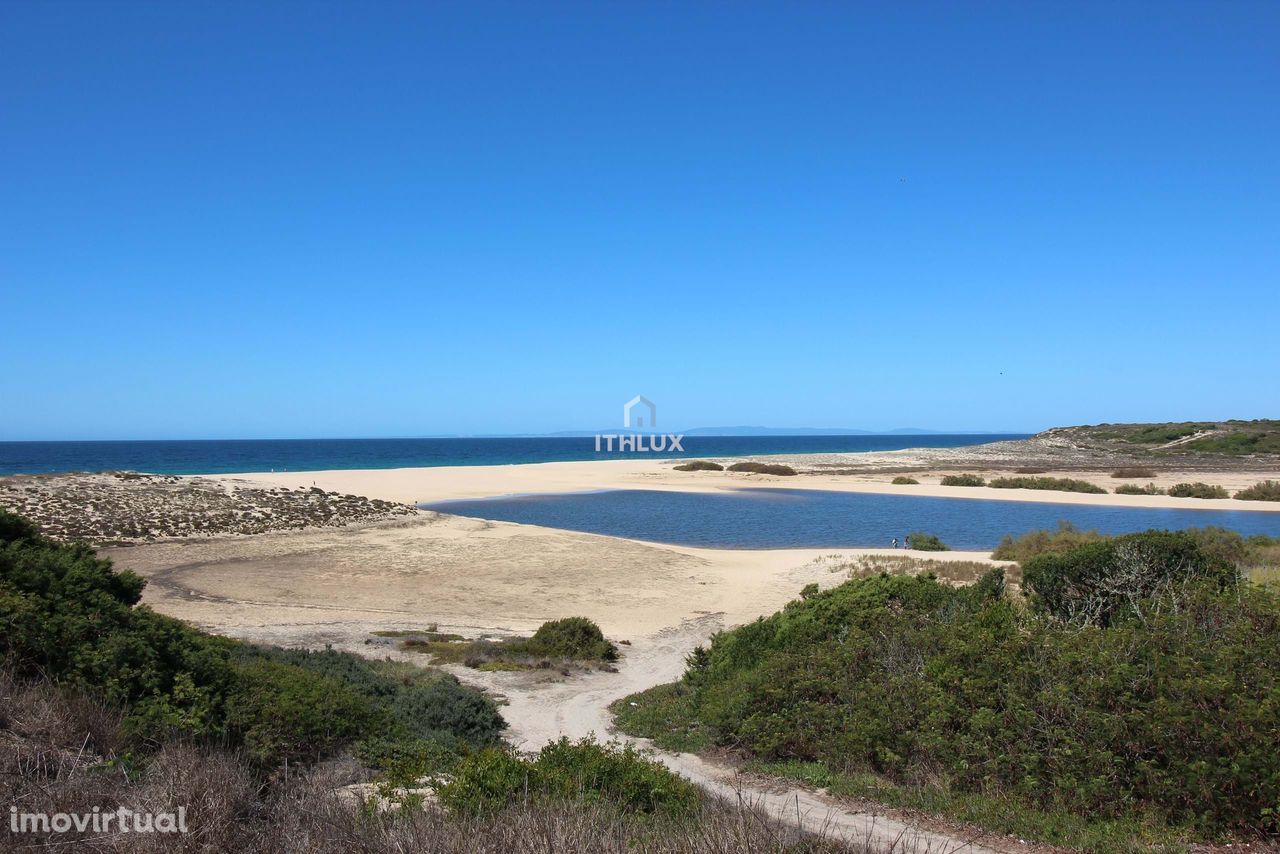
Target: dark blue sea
{"x": 807, "y": 518}
{"x": 218, "y": 456}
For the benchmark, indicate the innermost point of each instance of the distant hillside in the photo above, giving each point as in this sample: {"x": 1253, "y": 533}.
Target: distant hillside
{"x": 1233, "y": 438}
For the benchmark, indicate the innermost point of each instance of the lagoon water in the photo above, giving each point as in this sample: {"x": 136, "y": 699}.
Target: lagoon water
{"x": 804, "y": 518}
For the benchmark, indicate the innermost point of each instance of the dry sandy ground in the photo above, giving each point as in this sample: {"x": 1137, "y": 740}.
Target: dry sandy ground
{"x": 417, "y": 485}
{"x": 465, "y": 574}
{"x": 336, "y": 586}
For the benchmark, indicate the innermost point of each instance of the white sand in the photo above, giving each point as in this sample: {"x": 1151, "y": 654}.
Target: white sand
{"x": 442, "y": 483}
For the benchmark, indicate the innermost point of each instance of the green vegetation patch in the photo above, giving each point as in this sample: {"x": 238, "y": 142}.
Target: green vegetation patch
{"x": 963, "y": 480}
{"x": 70, "y": 617}
{"x": 665, "y": 714}
{"x": 572, "y": 639}
{"x": 1229, "y": 438}
{"x": 1161, "y": 434}
{"x": 1135, "y": 489}
{"x": 1059, "y": 484}
{"x": 1131, "y": 696}
{"x": 763, "y": 468}
{"x": 1065, "y": 538}
{"x": 926, "y": 543}
{"x": 490, "y": 780}
{"x": 1197, "y": 490}
{"x": 903, "y": 480}
{"x": 699, "y": 465}
{"x": 1126, "y": 472}
{"x": 1268, "y": 490}
{"x": 1236, "y": 444}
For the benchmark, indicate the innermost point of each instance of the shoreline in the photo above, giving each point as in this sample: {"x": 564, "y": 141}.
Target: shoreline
{"x": 433, "y": 484}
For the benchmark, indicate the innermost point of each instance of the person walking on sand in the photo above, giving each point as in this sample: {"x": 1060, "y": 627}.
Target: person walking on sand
{"x": 906, "y": 541}
{"x": 895, "y": 542}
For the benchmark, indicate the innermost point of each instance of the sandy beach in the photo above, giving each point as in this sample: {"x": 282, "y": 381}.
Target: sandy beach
{"x": 418, "y": 485}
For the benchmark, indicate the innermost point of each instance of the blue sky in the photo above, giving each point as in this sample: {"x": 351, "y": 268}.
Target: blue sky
{"x": 327, "y": 219}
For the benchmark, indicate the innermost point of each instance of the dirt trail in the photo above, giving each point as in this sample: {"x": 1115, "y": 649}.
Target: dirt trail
{"x": 544, "y": 712}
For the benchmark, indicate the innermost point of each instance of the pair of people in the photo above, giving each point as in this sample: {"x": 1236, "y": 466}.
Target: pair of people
{"x": 906, "y": 542}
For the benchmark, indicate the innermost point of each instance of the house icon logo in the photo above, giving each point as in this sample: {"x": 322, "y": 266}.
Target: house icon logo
{"x": 639, "y": 438}
{"x": 632, "y": 413}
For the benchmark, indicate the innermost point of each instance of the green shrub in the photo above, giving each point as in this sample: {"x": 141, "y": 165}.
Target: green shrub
{"x": 1060, "y": 484}
{"x": 486, "y": 781}
{"x": 1032, "y": 543}
{"x": 283, "y": 713}
{"x": 1163, "y": 720}
{"x": 963, "y": 480}
{"x": 572, "y": 637}
{"x": 763, "y": 468}
{"x": 926, "y": 543}
{"x": 903, "y": 480}
{"x": 1091, "y": 584}
{"x": 605, "y": 772}
{"x": 1268, "y": 490}
{"x": 1264, "y": 442}
{"x": 1134, "y": 489}
{"x": 1160, "y": 434}
{"x": 1127, "y": 472}
{"x": 1197, "y": 490}
{"x": 699, "y": 465}
{"x": 69, "y": 616}
{"x": 581, "y": 771}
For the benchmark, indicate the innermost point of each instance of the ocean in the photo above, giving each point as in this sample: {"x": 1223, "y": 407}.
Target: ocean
{"x": 226, "y": 456}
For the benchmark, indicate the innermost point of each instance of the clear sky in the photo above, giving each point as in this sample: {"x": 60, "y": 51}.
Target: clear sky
{"x": 242, "y": 219}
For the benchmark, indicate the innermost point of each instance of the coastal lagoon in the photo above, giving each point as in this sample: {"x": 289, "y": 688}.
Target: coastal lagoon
{"x": 763, "y": 518}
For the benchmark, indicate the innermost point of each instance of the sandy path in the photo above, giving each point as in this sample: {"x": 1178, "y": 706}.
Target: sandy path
{"x": 580, "y": 707}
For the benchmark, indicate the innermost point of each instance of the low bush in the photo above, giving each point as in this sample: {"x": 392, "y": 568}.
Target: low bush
{"x": 1133, "y": 471}
{"x": 69, "y": 616}
{"x": 963, "y": 480}
{"x": 1159, "y": 719}
{"x": 1197, "y": 490}
{"x": 1134, "y": 489}
{"x": 1060, "y": 484}
{"x": 1093, "y": 584}
{"x": 1268, "y": 490}
{"x": 699, "y": 465}
{"x": 763, "y": 468}
{"x": 1065, "y": 538}
{"x": 903, "y": 480}
{"x": 281, "y": 713}
{"x": 572, "y": 637}
{"x": 584, "y": 771}
{"x": 925, "y": 543}
{"x": 1236, "y": 444}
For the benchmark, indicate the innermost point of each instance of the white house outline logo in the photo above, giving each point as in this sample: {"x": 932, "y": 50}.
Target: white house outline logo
{"x": 639, "y": 441}
{"x": 639, "y": 400}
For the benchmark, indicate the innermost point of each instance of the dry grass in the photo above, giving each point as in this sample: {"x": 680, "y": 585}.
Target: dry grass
{"x": 62, "y": 752}
{"x": 1134, "y": 472}
{"x": 958, "y": 572}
